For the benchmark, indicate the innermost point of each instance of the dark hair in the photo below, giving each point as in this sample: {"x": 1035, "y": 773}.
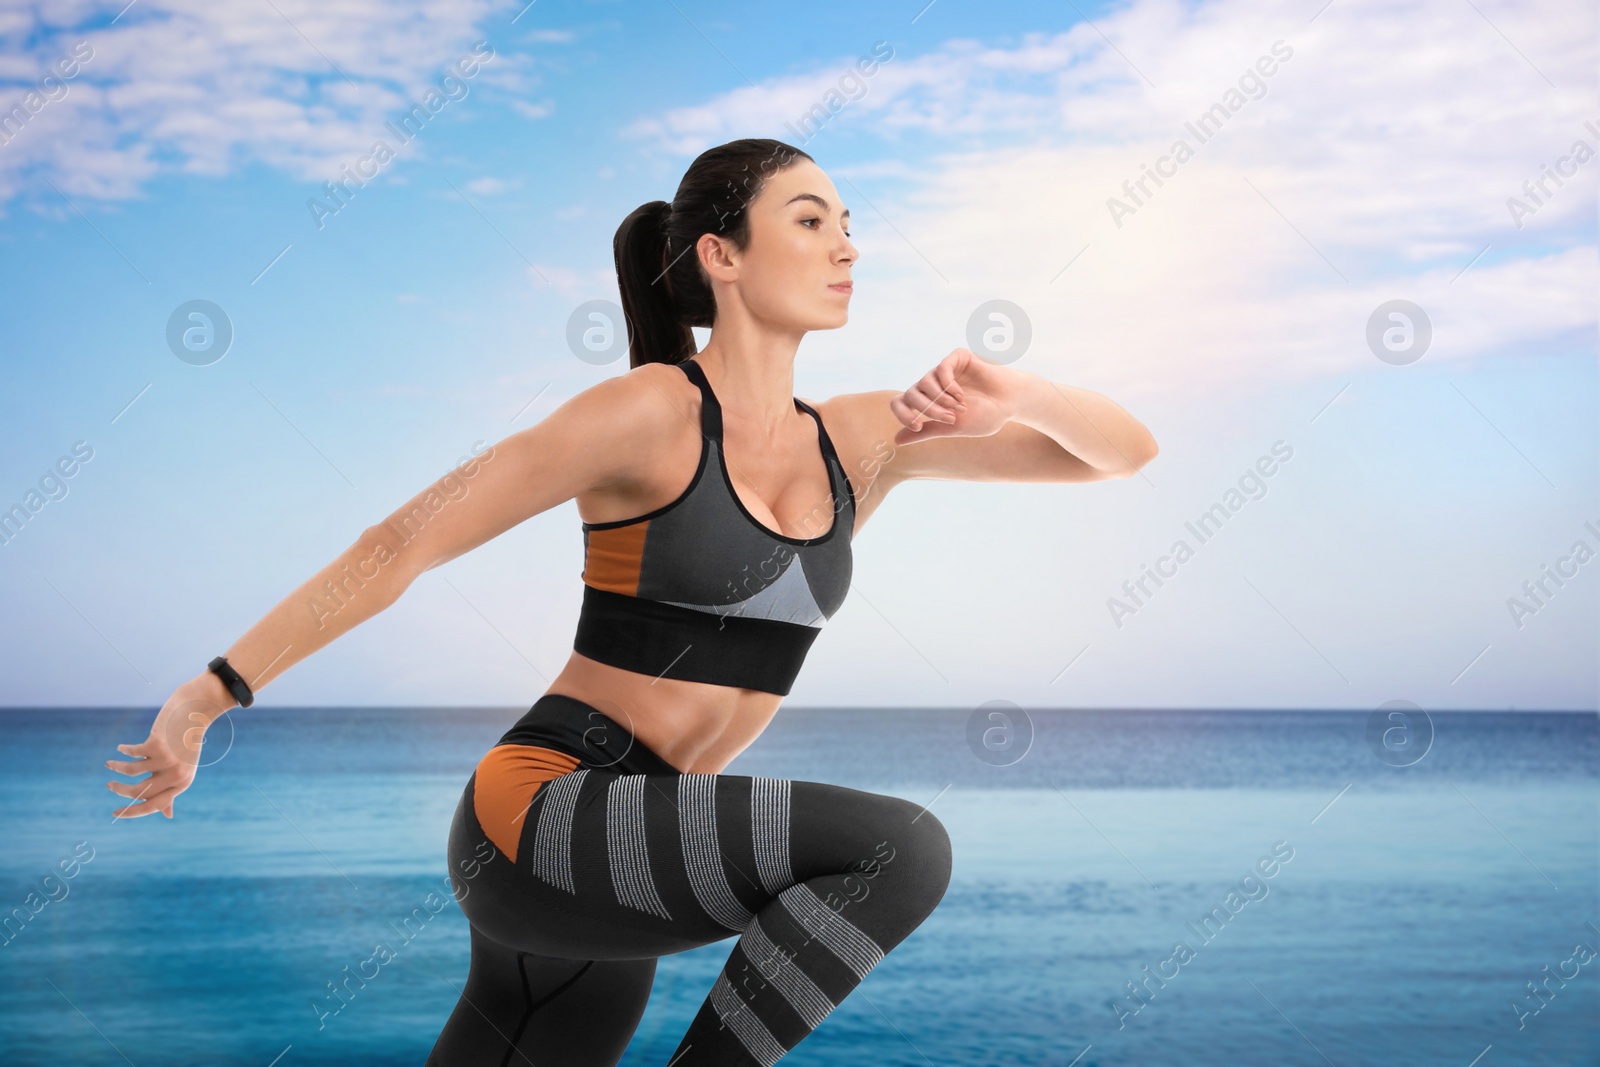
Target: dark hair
{"x": 664, "y": 289}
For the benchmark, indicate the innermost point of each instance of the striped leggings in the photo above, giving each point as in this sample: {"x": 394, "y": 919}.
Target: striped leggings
{"x": 579, "y": 857}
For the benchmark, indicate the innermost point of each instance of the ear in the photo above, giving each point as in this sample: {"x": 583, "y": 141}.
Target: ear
{"x": 716, "y": 257}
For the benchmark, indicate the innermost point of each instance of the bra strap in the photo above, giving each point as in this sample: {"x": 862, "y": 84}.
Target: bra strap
{"x": 710, "y": 410}
{"x": 836, "y": 473}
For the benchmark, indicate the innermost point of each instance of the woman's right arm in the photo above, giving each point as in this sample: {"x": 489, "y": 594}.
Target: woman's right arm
{"x": 594, "y": 440}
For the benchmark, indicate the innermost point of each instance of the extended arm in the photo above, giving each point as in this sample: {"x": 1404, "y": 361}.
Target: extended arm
{"x": 594, "y": 439}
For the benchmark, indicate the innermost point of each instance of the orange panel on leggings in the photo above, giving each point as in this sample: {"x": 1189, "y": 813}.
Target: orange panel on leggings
{"x": 507, "y": 779}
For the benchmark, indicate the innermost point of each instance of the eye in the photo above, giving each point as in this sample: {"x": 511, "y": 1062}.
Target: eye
{"x": 810, "y": 220}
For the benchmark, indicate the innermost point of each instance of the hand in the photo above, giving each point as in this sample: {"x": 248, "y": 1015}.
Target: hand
{"x": 964, "y": 396}
{"x": 171, "y": 754}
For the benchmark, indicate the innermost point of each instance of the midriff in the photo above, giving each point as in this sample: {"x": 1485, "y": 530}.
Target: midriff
{"x": 695, "y": 726}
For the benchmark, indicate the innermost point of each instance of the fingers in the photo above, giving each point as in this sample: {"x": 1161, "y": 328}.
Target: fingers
{"x": 936, "y": 397}
{"x": 940, "y": 389}
{"x": 148, "y": 806}
{"x": 127, "y": 767}
{"x": 131, "y": 790}
{"x": 945, "y": 374}
{"x": 908, "y": 415}
{"x": 923, "y": 401}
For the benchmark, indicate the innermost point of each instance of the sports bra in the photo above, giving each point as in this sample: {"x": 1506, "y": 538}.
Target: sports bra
{"x": 699, "y": 590}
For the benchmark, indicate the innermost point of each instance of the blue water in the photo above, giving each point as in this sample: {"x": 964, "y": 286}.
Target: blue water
{"x": 1418, "y": 902}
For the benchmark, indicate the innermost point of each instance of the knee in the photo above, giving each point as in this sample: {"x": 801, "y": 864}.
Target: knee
{"x": 919, "y": 845}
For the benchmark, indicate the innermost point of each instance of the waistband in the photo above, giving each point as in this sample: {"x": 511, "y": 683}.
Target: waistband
{"x": 584, "y": 732}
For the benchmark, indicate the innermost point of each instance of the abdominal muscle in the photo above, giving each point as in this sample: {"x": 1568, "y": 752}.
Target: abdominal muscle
{"x": 695, "y": 726}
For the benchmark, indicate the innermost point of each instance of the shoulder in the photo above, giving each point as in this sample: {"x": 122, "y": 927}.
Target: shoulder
{"x": 862, "y": 428}
{"x": 650, "y": 400}
{"x": 615, "y": 427}
{"x": 644, "y": 392}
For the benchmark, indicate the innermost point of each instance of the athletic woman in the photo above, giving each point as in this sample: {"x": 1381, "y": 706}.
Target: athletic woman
{"x": 718, "y": 511}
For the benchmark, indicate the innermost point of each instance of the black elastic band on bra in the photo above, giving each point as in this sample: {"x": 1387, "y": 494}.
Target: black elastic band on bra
{"x": 668, "y": 641}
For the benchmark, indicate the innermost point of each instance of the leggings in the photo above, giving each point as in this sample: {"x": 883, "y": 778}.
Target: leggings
{"x": 579, "y": 857}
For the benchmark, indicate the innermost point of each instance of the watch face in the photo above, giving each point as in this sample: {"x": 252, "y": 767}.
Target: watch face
{"x": 233, "y": 680}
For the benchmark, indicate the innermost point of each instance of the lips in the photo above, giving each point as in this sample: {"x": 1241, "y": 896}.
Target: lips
{"x": 843, "y": 287}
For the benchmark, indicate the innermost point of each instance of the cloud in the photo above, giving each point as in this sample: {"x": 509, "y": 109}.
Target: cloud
{"x": 202, "y": 88}
{"x": 1374, "y": 162}
{"x": 533, "y": 111}
{"x": 488, "y": 186}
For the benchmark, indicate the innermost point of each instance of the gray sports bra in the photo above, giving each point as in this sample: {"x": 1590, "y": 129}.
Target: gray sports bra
{"x": 699, "y": 590}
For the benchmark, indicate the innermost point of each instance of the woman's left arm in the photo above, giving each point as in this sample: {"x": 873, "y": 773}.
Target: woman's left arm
{"x": 971, "y": 419}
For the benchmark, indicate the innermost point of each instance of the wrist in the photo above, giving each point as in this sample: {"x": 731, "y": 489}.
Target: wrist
{"x": 1029, "y": 402}
{"x": 207, "y": 697}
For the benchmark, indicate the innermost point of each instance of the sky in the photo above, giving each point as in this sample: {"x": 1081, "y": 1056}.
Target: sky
{"x": 1431, "y": 161}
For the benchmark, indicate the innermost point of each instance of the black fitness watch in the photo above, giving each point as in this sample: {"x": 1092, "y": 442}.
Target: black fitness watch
{"x": 231, "y": 678}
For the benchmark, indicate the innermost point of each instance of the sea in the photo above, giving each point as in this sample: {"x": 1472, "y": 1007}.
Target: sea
{"x": 1433, "y": 895}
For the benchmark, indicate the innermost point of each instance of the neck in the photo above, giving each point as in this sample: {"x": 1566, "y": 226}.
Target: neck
{"x": 755, "y": 381}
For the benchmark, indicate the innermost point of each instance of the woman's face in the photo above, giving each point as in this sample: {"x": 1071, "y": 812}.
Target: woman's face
{"x": 799, "y": 251}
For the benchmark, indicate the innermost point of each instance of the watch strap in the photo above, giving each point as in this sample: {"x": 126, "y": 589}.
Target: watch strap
{"x": 232, "y": 679}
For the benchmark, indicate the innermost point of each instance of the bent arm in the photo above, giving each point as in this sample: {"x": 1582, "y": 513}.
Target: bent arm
{"x": 590, "y": 440}
{"x": 1034, "y": 445}
{"x": 1089, "y": 426}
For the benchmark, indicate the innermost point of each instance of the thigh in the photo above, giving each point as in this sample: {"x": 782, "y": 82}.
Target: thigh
{"x": 628, "y": 866}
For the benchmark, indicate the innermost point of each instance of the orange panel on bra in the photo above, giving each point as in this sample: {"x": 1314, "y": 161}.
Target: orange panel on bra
{"x": 507, "y": 779}
{"x": 615, "y": 557}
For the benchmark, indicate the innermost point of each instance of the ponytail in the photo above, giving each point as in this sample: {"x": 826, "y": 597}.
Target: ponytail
{"x": 664, "y": 289}
{"x": 654, "y": 333}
